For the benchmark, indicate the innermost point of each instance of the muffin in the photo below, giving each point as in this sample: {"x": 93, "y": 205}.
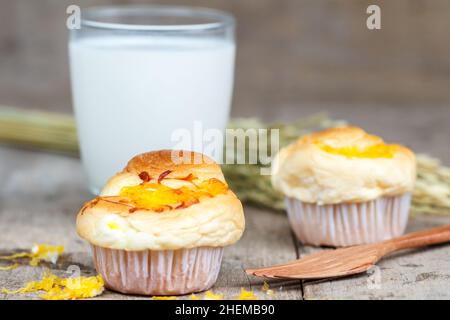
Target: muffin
{"x": 345, "y": 187}
{"x": 159, "y": 227}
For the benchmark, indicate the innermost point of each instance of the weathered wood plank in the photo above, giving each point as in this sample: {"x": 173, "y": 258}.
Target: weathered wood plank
{"x": 41, "y": 194}
{"x": 414, "y": 274}
{"x": 267, "y": 241}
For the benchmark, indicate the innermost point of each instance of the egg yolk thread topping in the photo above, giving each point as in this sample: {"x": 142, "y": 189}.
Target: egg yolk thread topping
{"x": 380, "y": 150}
{"x": 164, "y": 298}
{"x": 246, "y": 295}
{"x": 10, "y": 267}
{"x": 266, "y": 289}
{"x": 56, "y": 288}
{"x": 210, "y": 295}
{"x": 159, "y": 197}
{"x": 38, "y": 253}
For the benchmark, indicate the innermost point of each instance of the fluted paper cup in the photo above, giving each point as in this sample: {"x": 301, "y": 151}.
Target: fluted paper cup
{"x": 158, "y": 272}
{"x": 349, "y": 224}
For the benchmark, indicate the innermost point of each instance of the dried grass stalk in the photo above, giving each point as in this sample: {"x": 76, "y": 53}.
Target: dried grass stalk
{"x": 57, "y": 132}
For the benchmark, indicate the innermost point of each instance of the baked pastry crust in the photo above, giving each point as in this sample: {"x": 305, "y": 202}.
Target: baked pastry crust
{"x": 320, "y": 168}
{"x": 112, "y": 222}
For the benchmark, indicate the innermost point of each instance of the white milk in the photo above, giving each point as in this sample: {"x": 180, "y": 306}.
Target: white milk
{"x": 131, "y": 93}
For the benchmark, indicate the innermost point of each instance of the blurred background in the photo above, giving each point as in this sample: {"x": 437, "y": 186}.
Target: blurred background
{"x": 294, "y": 58}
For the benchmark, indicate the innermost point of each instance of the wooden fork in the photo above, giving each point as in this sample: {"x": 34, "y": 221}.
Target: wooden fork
{"x": 351, "y": 260}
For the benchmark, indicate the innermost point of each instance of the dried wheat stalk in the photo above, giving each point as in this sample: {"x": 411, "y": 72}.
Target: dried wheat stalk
{"x": 56, "y": 132}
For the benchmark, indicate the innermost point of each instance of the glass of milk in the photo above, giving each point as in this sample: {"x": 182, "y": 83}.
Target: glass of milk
{"x": 139, "y": 73}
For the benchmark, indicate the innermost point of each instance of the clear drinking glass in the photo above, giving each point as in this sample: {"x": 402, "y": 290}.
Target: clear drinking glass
{"x": 140, "y": 73}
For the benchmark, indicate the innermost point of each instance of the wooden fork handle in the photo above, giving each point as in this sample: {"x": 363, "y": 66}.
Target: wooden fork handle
{"x": 419, "y": 239}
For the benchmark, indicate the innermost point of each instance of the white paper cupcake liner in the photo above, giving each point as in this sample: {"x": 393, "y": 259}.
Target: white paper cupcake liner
{"x": 349, "y": 224}
{"x": 164, "y": 272}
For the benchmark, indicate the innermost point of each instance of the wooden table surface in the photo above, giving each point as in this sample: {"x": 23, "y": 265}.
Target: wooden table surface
{"x": 41, "y": 193}
{"x": 294, "y": 58}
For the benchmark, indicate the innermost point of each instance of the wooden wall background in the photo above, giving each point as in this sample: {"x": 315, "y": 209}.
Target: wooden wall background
{"x": 294, "y": 57}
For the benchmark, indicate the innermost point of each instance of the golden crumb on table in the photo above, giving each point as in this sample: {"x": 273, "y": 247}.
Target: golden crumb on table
{"x": 246, "y": 295}
{"x": 56, "y": 288}
{"x": 38, "y": 253}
